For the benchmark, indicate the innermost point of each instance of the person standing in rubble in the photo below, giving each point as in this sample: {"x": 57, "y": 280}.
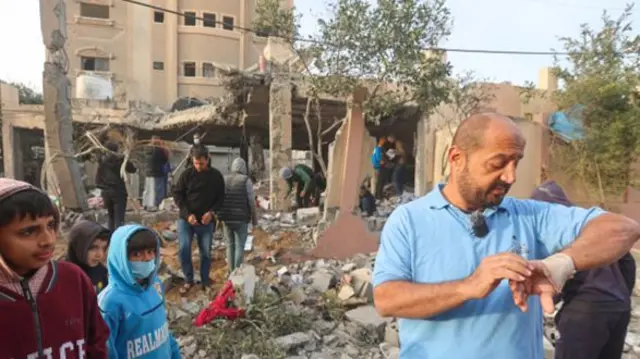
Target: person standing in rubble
{"x": 379, "y": 166}
{"x": 155, "y": 187}
{"x": 237, "y": 211}
{"x": 320, "y": 186}
{"x": 400, "y": 167}
{"x": 595, "y": 315}
{"x": 112, "y": 185}
{"x": 302, "y": 178}
{"x": 391, "y": 157}
{"x": 199, "y": 193}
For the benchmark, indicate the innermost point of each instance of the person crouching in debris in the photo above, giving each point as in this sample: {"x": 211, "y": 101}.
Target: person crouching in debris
{"x": 111, "y": 183}
{"x": 379, "y": 166}
{"x": 595, "y": 315}
{"x": 367, "y": 201}
{"x": 88, "y": 243}
{"x": 237, "y": 211}
{"x": 155, "y": 187}
{"x": 47, "y": 307}
{"x": 320, "y": 187}
{"x": 133, "y": 302}
{"x": 199, "y": 194}
{"x": 302, "y": 178}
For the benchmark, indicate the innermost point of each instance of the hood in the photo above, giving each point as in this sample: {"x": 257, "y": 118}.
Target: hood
{"x": 81, "y": 237}
{"x": 551, "y": 192}
{"x": 239, "y": 166}
{"x": 286, "y": 173}
{"x": 117, "y": 261}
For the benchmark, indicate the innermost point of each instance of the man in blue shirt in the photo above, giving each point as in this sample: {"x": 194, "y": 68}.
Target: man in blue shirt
{"x": 458, "y": 265}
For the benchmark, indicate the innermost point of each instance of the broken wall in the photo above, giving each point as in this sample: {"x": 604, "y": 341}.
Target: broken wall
{"x": 280, "y": 137}
{"x": 336, "y": 165}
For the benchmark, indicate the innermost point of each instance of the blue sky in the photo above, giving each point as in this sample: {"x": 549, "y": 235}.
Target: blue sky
{"x": 532, "y": 25}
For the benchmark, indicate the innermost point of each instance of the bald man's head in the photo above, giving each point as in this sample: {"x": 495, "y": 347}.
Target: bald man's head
{"x": 484, "y": 154}
{"x": 472, "y": 132}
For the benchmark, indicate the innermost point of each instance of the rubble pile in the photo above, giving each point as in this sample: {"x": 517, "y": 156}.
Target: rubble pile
{"x": 295, "y": 307}
{"x": 312, "y": 309}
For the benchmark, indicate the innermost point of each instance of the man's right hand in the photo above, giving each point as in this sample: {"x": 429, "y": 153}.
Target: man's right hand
{"x": 492, "y": 270}
{"x": 192, "y": 219}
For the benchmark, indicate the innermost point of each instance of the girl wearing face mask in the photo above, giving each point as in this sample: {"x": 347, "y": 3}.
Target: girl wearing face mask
{"x": 88, "y": 242}
{"x": 134, "y": 289}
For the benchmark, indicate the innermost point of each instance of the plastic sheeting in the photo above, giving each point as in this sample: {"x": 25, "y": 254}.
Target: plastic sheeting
{"x": 568, "y": 124}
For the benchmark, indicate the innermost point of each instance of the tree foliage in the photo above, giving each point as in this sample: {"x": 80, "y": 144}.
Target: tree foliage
{"x": 602, "y": 74}
{"x": 273, "y": 19}
{"x": 28, "y": 96}
{"x": 381, "y": 46}
{"x": 467, "y": 95}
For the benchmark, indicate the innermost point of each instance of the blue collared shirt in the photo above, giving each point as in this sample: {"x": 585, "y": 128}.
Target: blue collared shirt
{"x": 431, "y": 241}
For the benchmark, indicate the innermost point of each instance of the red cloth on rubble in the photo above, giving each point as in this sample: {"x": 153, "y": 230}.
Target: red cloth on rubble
{"x": 220, "y": 307}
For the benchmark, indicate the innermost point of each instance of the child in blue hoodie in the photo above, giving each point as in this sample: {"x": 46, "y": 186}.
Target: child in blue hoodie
{"x": 133, "y": 302}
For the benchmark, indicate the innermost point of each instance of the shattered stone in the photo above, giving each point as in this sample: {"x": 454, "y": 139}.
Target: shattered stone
{"x": 311, "y": 214}
{"x": 330, "y": 340}
{"x": 346, "y": 292}
{"x": 297, "y": 295}
{"x": 321, "y": 281}
{"x": 323, "y": 327}
{"x": 389, "y": 351}
{"x": 361, "y": 282}
{"x": 292, "y": 341}
{"x": 391, "y": 334}
{"x": 348, "y": 267}
{"x": 367, "y": 316}
{"x": 245, "y": 279}
{"x": 322, "y": 355}
{"x": 191, "y": 307}
{"x": 190, "y": 350}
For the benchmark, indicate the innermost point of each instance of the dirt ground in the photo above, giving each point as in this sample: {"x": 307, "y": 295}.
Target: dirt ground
{"x": 264, "y": 249}
{"x": 267, "y": 254}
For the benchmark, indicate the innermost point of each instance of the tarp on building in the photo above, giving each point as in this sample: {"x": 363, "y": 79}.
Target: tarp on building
{"x": 568, "y": 124}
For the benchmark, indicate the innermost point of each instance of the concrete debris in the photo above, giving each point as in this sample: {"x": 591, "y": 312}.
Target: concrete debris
{"x": 292, "y": 341}
{"x": 308, "y": 215}
{"x": 244, "y": 278}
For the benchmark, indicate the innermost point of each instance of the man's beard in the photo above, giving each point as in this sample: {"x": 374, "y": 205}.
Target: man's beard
{"x": 476, "y": 197}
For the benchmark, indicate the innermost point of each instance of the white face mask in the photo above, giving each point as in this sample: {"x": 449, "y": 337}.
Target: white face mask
{"x": 196, "y": 141}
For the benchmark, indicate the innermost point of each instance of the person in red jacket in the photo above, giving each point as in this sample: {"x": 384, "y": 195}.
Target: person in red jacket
{"x": 47, "y": 309}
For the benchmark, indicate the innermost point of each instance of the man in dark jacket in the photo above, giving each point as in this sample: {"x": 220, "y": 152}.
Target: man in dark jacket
{"x": 302, "y": 178}
{"x": 155, "y": 187}
{"x": 199, "y": 193}
{"x": 597, "y": 303}
{"x": 111, "y": 183}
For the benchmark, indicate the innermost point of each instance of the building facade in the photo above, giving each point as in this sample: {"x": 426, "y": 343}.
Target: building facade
{"x": 158, "y": 56}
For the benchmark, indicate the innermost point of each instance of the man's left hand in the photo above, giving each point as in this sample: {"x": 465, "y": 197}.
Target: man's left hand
{"x": 539, "y": 284}
{"x": 206, "y": 219}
